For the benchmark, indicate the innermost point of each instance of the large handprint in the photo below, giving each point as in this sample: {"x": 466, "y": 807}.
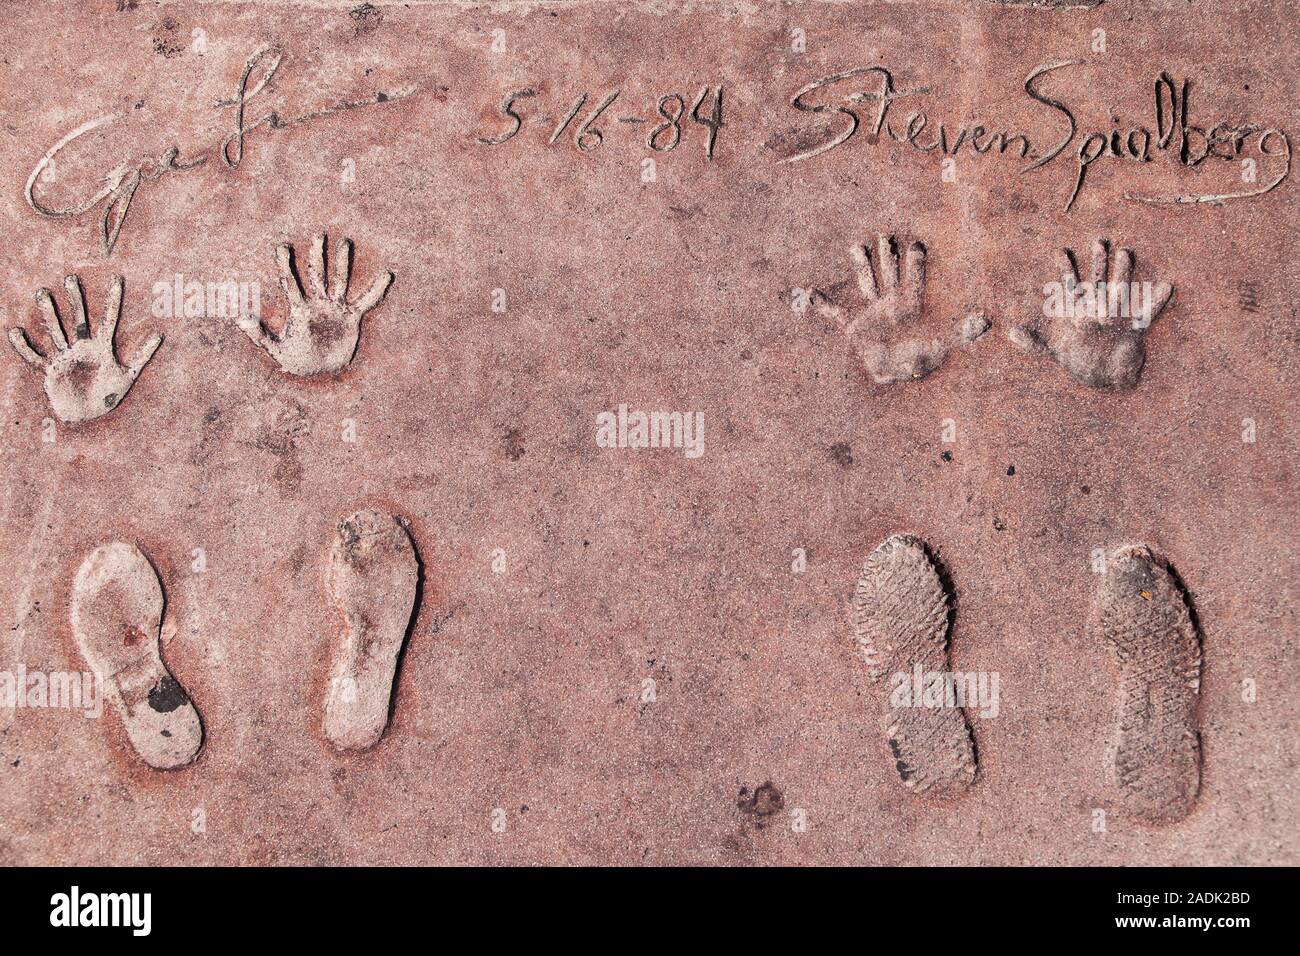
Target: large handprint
{"x": 83, "y": 380}
{"x": 323, "y": 327}
{"x": 883, "y": 330}
{"x": 1095, "y": 329}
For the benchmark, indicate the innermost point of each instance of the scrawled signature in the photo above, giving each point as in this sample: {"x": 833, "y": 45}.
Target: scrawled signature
{"x": 121, "y": 183}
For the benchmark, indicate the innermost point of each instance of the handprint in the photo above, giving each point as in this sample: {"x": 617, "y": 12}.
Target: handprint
{"x": 881, "y": 330}
{"x": 323, "y": 327}
{"x": 1095, "y": 329}
{"x": 83, "y": 380}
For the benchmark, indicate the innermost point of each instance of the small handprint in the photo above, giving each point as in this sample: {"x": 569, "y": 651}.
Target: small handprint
{"x": 1095, "y": 329}
{"x": 83, "y": 380}
{"x": 323, "y": 327}
{"x": 881, "y": 329}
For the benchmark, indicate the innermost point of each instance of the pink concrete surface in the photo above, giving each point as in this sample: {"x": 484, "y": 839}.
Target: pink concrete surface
{"x": 520, "y": 732}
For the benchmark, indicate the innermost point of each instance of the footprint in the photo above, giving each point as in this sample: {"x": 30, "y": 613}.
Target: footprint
{"x": 1142, "y": 612}
{"x": 900, "y": 620}
{"x": 885, "y": 330}
{"x": 373, "y": 576}
{"x": 117, "y": 611}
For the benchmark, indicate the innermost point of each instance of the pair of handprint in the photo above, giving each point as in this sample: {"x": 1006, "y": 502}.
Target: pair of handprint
{"x": 1096, "y": 347}
{"x": 84, "y": 379}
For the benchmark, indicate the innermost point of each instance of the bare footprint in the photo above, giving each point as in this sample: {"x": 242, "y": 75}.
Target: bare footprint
{"x": 884, "y": 330}
{"x": 1142, "y": 612}
{"x": 83, "y": 380}
{"x": 117, "y": 611}
{"x": 1096, "y": 330}
{"x": 323, "y": 327}
{"x": 900, "y": 620}
{"x": 373, "y": 577}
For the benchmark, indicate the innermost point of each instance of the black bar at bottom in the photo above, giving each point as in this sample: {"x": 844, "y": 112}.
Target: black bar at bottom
{"x": 341, "y": 906}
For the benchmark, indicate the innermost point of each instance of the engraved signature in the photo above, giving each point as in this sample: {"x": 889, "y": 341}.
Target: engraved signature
{"x": 1190, "y": 144}
{"x": 124, "y": 180}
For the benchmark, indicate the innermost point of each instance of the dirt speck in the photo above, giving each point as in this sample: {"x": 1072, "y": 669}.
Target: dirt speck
{"x": 513, "y": 439}
{"x": 760, "y": 804}
{"x": 366, "y": 19}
